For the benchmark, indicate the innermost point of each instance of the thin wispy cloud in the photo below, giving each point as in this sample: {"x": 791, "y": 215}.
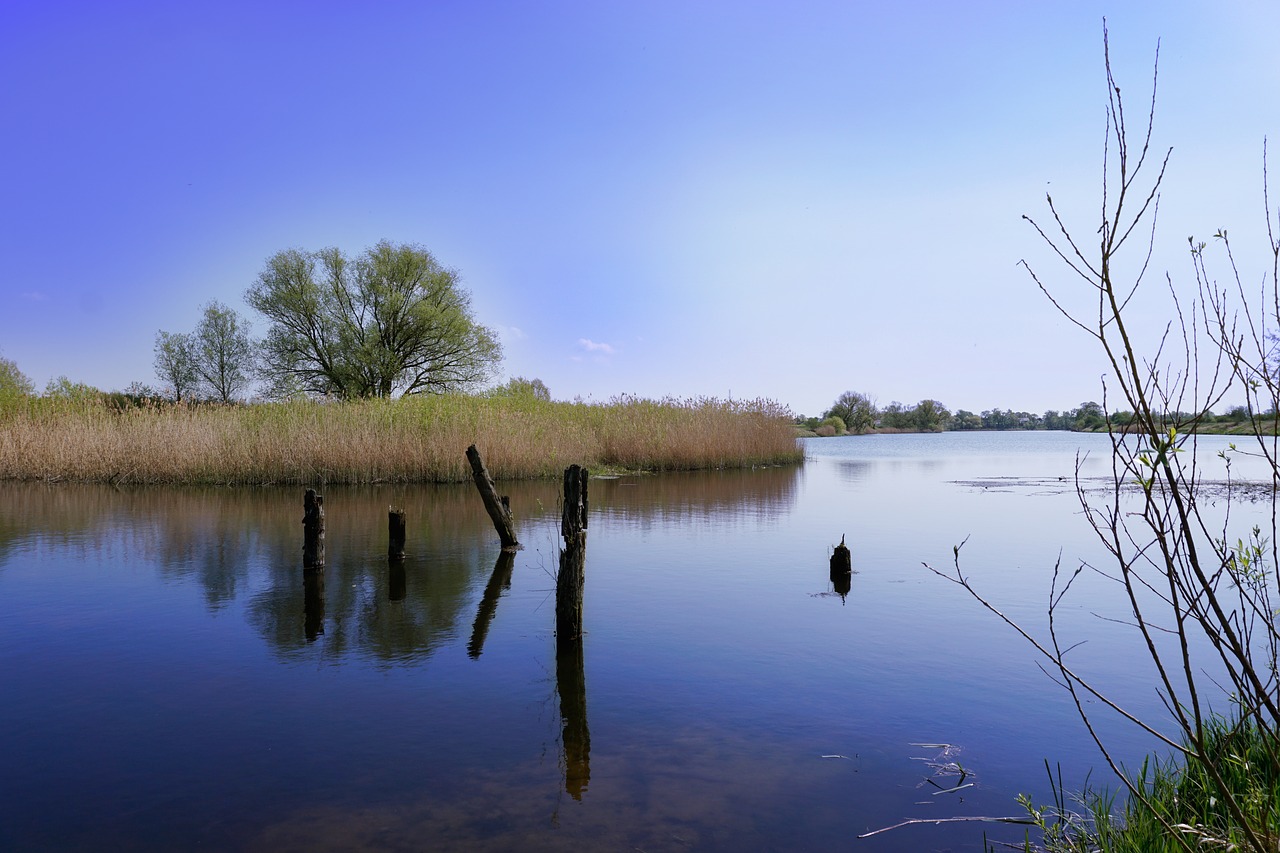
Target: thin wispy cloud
{"x": 594, "y": 347}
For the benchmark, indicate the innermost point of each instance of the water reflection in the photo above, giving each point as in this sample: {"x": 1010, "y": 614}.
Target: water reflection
{"x": 764, "y": 494}
{"x": 498, "y": 581}
{"x": 575, "y": 736}
{"x": 312, "y": 603}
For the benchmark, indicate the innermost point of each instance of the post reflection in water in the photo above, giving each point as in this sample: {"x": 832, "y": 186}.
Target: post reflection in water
{"x": 842, "y": 581}
{"x": 498, "y": 581}
{"x": 397, "y": 581}
{"x": 575, "y": 737}
{"x": 313, "y": 603}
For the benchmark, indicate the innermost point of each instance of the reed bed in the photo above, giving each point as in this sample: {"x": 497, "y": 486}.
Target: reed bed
{"x": 371, "y": 441}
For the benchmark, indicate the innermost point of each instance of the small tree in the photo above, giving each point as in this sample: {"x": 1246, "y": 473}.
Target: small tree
{"x": 224, "y": 352}
{"x": 832, "y": 423}
{"x": 175, "y": 363}
{"x": 13, "y": 382}
{"x": 518, "y": 386}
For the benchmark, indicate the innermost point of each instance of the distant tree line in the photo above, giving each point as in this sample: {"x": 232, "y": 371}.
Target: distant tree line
{"x": 855, "y": 413}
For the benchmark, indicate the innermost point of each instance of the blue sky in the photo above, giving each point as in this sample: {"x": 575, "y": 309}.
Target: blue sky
{"x": 783, "y": 200}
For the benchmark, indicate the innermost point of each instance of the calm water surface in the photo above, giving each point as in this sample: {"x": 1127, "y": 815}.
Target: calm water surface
{"x": 170, "y": 682}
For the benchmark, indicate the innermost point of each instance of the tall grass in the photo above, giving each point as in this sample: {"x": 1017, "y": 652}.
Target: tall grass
{"x": 420, "y": 439}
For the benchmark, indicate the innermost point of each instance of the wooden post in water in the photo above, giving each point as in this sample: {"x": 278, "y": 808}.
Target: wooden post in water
{"x": 570, "y": 580}
{"x": 313, "y": 530}
{"x": 842, "y": 569}
{"x": 313, "y": 564}
{"x": 499, "y": 508}
{"x": 395, "y": 533}
{"x": 570, "y": 676}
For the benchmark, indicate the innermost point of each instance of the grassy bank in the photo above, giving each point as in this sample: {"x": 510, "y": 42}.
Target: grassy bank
{"x": 1184, "y": 811}
{"x": 408, "y": 440}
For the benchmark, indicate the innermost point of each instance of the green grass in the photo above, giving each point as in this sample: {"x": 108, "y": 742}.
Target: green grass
{"x": 1185, "y": 809}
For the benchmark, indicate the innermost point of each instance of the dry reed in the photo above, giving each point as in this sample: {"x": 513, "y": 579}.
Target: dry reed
{"x": 371, "y": 441}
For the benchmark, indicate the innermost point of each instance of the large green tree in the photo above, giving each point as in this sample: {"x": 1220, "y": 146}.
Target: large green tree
{"x": 858, "y": 411}
{"x": 390, "y": 321}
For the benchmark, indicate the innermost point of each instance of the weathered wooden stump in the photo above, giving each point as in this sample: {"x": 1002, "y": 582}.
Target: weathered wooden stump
{"x": 395, "y": 533}
{"x": 842, "y": 569}
{"x": 312, "y": 530}
{"x": 498, "y": 507}
{"x": 570, "y": 580}
{"x": 841, "y": 559}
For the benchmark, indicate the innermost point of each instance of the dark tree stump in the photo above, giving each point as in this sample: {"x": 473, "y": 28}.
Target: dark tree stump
{"x": 395, "y": 533}
{"x": 312, "y": 530}
{"x": 842, "y": 569}
{"x": 570, "y": 581}
{"x": 841, "y": 559}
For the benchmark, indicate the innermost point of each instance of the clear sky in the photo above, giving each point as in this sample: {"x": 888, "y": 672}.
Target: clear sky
{"x": 684, "y": 197}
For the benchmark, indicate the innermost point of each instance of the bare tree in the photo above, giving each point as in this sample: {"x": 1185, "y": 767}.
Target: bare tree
{"x": 1201, "y": 598}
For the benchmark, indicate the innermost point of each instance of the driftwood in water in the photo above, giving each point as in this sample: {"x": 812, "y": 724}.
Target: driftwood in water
{"x": 570, "y": 580}
{"x": 312, "y": 530}
{"x": 498, "y": 507}
{"x": 395, "y": 533}
{"x": 498, "y": 581}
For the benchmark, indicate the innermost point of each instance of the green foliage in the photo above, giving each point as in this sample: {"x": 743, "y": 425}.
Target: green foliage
{"x": 534, "y": 389}
{"x": 224, "y": 352}
{"x": 13, "y": 382}
{"x": 930, "y": 416}
{"x": 63, "y": 388}
{"x": 391, "y": 321}
{"x": 1182, "y": 795}
{"x": 175, "y": 363}
{"x": 832, "y": 423}
{"x": 856, "y": 411}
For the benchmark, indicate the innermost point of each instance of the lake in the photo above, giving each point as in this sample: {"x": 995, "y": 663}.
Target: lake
{"x": 171, "y": 683}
